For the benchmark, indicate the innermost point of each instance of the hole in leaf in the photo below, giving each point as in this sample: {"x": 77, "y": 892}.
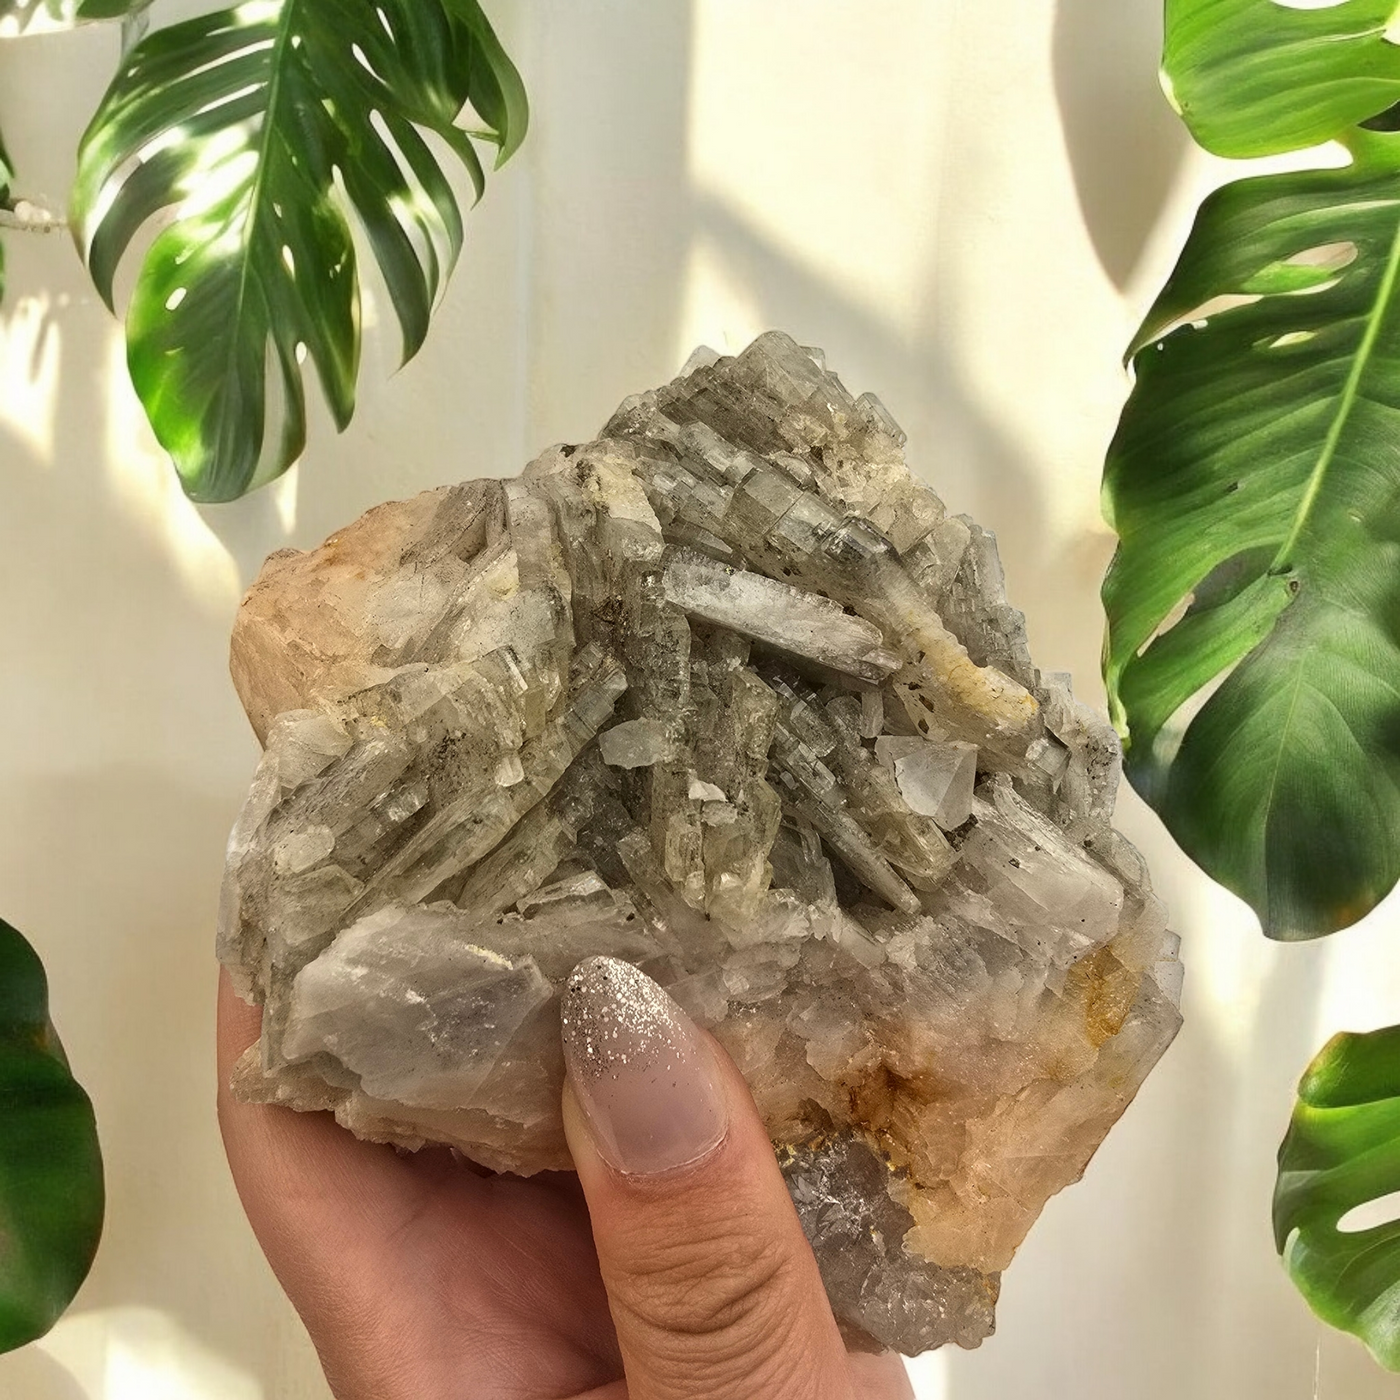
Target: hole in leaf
{"x": 1388, "y": 120}
{"x": 1309, "y": 4}
{"x": 1282, "y": 342}
{"x": 1328, "y": 257}
{"x": 172, "y": 302}
{"x": 1220, "y": 585}
{"x": 1199, "y": 316}
{"x": 1169, "y": 737}
{"x": 363, "y": 61}
{"x": 1227, "y": 578}
{"x": 1183, "y": 606}
{"x": 1369, "y": 1215}
{"x": 1305, "y": 273}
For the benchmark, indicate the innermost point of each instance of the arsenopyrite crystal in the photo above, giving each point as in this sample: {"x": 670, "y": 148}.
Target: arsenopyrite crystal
{"x": 725, "y": 693}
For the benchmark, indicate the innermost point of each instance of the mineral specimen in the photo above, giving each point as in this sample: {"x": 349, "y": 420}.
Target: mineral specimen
{"x": 725, "y": 693}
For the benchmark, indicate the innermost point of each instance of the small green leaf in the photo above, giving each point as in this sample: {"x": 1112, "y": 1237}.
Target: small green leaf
{"x": 254, "y": 131}
{"x": 1253, "y": 653}
{"x": 44, "y": 16}
{"x": 1342, "y": 1151}
{"x": 51, "y": 1193}
{"x": 1255, "y": 78}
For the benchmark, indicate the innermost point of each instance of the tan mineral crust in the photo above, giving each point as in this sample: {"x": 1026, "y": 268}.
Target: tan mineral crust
{"x": 728, "y": 694}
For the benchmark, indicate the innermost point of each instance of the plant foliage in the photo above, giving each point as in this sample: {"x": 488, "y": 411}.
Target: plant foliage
{"x": 1342, "y": 1152}
{"x": 1253, "y": 77}
{"x": 51, "y": 1196}
{"x": 29, "y": 16}
{"x": 254, "y": 134}
{"x": 1253, "y": 650}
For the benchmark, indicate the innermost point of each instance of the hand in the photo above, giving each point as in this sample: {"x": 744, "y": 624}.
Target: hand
{"x": 421, "y": 1278}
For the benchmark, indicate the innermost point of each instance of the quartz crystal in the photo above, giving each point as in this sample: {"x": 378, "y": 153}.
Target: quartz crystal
{"x": 725, "y": 693}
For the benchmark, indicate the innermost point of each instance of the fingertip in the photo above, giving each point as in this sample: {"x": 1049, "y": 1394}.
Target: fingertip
{"x": 644, "y": 1080}
{"x": 701, "y": 1251}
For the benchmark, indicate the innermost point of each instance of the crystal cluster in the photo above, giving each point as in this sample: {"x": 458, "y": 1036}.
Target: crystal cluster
{"x": 728, "y": 694}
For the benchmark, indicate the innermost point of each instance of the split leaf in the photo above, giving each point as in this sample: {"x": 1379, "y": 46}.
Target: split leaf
{"x": 1340, "y": 1161}
{"x": 253, "y": 134}
{"x": 1256, "y": 77}
{"x": 1253, "y": 654}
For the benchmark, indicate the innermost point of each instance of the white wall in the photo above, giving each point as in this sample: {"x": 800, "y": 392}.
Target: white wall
{"x": 966, "y": 202}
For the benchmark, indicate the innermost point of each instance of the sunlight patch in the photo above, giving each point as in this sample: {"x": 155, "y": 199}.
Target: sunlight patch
{"x": 30, "y": 360}
{"x": 144, "y": 484}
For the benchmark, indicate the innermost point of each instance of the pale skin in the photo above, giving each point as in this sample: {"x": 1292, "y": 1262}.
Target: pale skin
{"x": 420, "y": 1278}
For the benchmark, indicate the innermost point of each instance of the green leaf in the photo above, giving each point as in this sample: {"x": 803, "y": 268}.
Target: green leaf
{"x": 44, "y": 16}
{"x": 254, "y": 132}
{"x": 1342, "y": 1151}
{"x": 1254, "y": 482}
{"x": 1253, "y": 77}
{"x": 51, "y": 1194}
{"x": 496, "y": 89}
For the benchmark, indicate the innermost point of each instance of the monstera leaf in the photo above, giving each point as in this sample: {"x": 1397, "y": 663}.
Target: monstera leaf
{"x": 50, "y": 1169}
{"x": 1342, "y": 1153}
{"x": 1254, "y": 77}
{"x": 1255, "y": 486}
{"x": 253, "y": 134}
{"x": 1253, "y": 650}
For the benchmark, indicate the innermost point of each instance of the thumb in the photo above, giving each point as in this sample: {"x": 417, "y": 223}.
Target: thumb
{"x": 713, "y": 1287}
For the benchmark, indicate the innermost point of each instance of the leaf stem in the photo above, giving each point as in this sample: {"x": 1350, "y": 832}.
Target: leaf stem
{"x": 21, "y": 216}
{"x": 1350, "y": 392}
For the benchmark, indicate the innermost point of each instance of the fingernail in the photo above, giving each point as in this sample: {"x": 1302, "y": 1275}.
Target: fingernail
{"x": 643, "y": 1076}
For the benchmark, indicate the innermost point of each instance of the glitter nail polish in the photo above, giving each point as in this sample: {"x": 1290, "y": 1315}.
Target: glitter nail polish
{"x": 644, "y": 1077}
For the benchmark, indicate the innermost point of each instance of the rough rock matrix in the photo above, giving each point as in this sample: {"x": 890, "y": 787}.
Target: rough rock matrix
{"x": 728, "y": 694}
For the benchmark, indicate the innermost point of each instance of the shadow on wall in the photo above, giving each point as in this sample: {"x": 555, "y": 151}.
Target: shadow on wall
{"x": 29, "y": 1373}
{"x": 1126, "y": 146}
{"x": 611, "y": 221}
